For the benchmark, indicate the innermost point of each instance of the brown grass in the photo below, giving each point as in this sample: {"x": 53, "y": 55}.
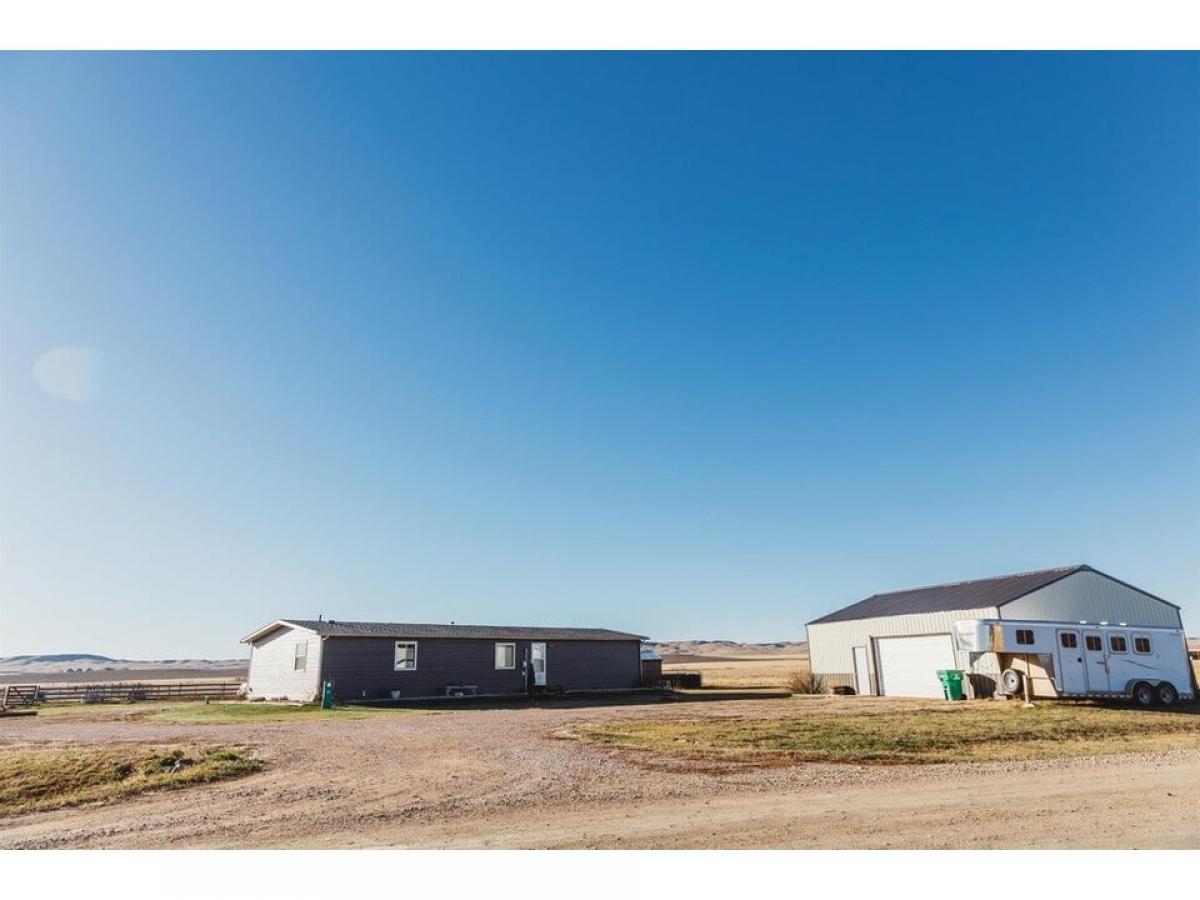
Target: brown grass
{"x": 806, "y": 682}
{"x": 966, "y": 732}
{"x": 36, "y": 779}
{"x": 767, "y": 672}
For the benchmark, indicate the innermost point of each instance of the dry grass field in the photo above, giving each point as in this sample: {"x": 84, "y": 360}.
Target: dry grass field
{"x": 962, "y": 732}
{"x": 765, "y": 671}
{"x": 44, "y": 778}
{"x": 130, "y": 676}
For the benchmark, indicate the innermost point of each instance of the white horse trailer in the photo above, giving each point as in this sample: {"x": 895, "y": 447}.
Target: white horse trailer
{"x": 1080, "y": 659}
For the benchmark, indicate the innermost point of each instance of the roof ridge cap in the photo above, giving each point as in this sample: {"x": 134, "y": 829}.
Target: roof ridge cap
{"x": 928, "y": 587}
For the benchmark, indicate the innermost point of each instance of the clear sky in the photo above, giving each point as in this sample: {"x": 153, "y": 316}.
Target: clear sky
{"x": 699, "y": 346}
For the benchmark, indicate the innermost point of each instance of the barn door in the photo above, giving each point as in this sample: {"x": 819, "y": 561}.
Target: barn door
{"x": 537, "y": 656}
{"x": 862, "y": 676}
{"x": 908, "y": 666}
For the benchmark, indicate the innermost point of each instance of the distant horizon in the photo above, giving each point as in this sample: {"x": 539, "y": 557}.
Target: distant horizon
{"x": 64, "y": 655}
{"x": 705, "y": 342}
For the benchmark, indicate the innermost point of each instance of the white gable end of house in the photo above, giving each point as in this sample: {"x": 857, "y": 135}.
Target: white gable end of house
{"x": 285, "y": 664}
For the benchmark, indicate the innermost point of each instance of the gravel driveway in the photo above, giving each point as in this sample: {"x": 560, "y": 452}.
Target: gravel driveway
{"x": 508, "y": 778}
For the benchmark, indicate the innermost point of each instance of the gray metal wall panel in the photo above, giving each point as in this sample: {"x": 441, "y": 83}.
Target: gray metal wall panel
{"x": 1092, "y": 597}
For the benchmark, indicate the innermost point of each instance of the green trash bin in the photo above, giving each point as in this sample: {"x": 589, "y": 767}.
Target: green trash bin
{"x": 952, "y": 683}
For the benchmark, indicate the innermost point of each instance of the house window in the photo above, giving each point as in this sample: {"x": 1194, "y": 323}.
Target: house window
{"x": 1070, "y": 640}
{"x": 1141, "y": 643}
{"x": 1024, "y": 635}
{"x": 406, "y": 656}
{"x": 506, "y": 656}
{"x": 1092, "y": 642}
{"x": 300, "y": 660}
{"x": 1116, "y": 643}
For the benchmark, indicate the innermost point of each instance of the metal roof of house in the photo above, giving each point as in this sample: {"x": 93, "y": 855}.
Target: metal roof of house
{"x": 955, "y": 595}
{"x": 337, "y": 628}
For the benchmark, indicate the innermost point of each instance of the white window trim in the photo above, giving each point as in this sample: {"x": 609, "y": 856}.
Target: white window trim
{"x": 300, "y": 657}
{"x": 496, "y": 654}
{"x": 1146, "y": 638}
{"x": 396, "y": 660}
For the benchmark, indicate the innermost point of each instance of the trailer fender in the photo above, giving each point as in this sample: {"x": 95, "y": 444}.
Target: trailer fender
{"x": 1134, "y": 682}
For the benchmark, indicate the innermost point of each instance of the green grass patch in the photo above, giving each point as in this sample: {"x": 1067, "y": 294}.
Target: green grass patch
{"x": 259, "y": 712}
{"x": 32, "y": 780}
{"x": 967, "y": 733}
{"x": 216, "y": 712}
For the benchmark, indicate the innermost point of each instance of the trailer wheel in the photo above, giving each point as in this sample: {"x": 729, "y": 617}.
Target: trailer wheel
{"x": 1010, "y": 681}
{"x": 1167, "y": 695}
{"x": 1143, "y": 694}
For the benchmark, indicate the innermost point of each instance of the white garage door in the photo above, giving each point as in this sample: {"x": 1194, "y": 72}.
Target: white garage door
{"x": 909, "y": 665}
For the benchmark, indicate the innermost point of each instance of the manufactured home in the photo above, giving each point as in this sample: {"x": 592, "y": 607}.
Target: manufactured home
{"x": 894, "y": 643}
{"x": 292, "y": 659}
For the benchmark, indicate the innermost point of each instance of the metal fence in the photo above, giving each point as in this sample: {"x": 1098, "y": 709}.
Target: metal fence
{"x": 122, "y": 692}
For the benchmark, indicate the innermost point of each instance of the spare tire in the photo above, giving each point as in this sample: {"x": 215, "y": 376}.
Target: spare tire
{"x": 1011, "y": 681}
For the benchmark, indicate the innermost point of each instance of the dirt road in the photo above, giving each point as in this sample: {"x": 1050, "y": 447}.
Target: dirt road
{"x": 506, "y": 778}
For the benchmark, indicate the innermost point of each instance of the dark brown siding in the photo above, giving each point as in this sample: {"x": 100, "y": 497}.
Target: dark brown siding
{"x": 364, "y": 668}
{"x": 651, "y": 671}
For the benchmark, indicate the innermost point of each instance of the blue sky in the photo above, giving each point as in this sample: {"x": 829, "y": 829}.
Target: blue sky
{"x": 691, "y": 345}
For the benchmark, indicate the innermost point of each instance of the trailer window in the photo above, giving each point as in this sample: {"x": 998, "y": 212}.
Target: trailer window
{"x": 300, "y": 660}
{"x": 1116, "y": 643}
{"x": 1069, "y": 639}
{"x": 1141, "y": 644}
{"x": 1092, "y": 642}
{"x": 506, "y": 656}
{"x": 1024, "y": 635}
{"x": 406, "y": 656}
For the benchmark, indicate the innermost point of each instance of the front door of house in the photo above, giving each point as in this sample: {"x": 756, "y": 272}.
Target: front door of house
{"x": 537, "y": 657}
{"x": 1094, "y": 661}
{"x": 1071, "y": 678}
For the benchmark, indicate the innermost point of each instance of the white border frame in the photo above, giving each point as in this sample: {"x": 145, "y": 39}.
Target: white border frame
{"x": 599, "y": 25}
{"x": 496, "y": 656}
{"x": 396, "y": 656}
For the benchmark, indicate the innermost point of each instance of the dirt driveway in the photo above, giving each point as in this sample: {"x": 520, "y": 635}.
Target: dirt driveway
{"x": 506, "y": 778}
